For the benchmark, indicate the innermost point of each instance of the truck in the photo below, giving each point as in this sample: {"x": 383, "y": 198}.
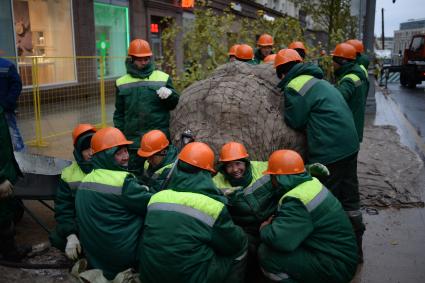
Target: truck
{"x": 412, "y": 70}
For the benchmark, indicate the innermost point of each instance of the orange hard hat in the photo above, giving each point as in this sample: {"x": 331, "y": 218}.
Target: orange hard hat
{"x": 232, "y": 50}
{"x": 81, "y": 129}
{"x": 244, "y": 52}
{"x": 199, "y": 155}
{"x": 358, "y": 45}
{"x": 269, "y": 58}
{"x": 139, "y": 48}
{"x": 232, "y": 151}
{"x": 345, "y": 50}
{"x": 152, "y": 142}
{"x": 107, "y": 138}
{"x": 285, "y": 56}
{"x": 297, "y": 45}
{"x": 285, "y": 162}
{"x": 265, "y": 40}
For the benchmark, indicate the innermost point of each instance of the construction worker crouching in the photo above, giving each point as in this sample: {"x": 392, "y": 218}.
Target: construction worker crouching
{"x": 64, "y": 236}
{"x": 252, "y": 199}
{"x": 245, "y": 54}
{"x": 299, "y": 47}
{"x": 265, "y": 47}
{"x": 310, "y": 238}
{"x": 110, "y": 206}
{"x": 144, "y": 98}
{"x": 189, "y": 235}
{"x": 160, "y": 155}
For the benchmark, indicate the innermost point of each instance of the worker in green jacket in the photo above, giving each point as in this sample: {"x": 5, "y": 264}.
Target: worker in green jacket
{"x": 352, "y": 83}
{"x": 299, "y": 47}
{"x": 110, "y": 206}
{"x": 144, "y": 98}
{"x": 188, "y": 234}
{"x": 160, "y": 156}
{"x": 251, "y": 197}
{"x": 314, "y": 105}
{"x": 361, "y": 58}
{"x": 64, "y": 236}
{"x": 244, "y": 53}
{"x": 310, "y": 238}
{"x": 9, "y": 173}
{"x": 265, "y": 48}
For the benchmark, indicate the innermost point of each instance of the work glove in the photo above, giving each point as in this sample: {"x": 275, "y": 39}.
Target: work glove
{"x": 164, "y": 92}
{"x": 5, "y": 189}
{"x": 73, "y": 247}
{"x": 317, "y": 170}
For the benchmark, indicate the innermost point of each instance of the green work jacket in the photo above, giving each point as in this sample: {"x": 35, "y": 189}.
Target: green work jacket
{"x": 313, "y": 104}
{"x": 249, "y": 206}
{"x": 110, "y": 208}
{"x": 189, "y": 235}
{"x": 155, "y": 177}
{"x": 310, "y": 220}
{"x": 65, "y": 214}
{"x": 353, "y": 85}
{"x": 138, "y": 108}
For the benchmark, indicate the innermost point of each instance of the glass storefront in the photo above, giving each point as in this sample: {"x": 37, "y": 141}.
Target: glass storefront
{"x": 44, "y": 37}
{"x": 112, "y": 37}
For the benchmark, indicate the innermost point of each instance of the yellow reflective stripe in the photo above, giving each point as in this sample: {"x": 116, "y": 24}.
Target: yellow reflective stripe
{"x": 198, "y": 202}
{"x": 187, "y": 210}
{"x": 106, "y": 177}
{"x": 221, "y": 182}
{"x": 72, "y": 173}
{"x": 297, "y": 83}
{"x": 257, "y": 184}
{"x": 156, "y": 76}
{"x": 160, "y": 170}
{"x": 356, "y": 80}
{"x": 100, "y": 188}
{"x": 302, "y": 84}
{"x": 364, "y": 70}
{"x": 310, "y": 193}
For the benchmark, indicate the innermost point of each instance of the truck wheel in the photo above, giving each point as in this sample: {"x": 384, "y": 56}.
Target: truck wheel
{"x": 403, "y": 80}
{"x": 411, "y": 81}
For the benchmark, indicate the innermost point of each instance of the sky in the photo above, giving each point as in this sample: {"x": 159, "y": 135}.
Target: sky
{"x": 394, "y": 14}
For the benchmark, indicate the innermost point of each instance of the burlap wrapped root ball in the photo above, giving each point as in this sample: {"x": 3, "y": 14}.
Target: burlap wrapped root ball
{"x": 238, "y": 102}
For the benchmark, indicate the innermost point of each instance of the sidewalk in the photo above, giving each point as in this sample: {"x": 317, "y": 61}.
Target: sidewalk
{"x": 393, "y": 245}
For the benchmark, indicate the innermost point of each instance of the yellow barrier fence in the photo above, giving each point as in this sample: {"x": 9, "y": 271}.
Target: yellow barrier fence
{"x": 61, "y": 92}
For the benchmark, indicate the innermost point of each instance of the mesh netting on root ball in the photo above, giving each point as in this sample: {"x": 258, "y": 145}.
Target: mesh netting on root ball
{"x": 238, "y": 102}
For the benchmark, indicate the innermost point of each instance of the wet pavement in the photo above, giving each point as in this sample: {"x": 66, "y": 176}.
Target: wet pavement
{"x": 394, "y": 245}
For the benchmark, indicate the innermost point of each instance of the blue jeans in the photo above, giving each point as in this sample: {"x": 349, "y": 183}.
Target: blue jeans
{"x": 15, "y": 135}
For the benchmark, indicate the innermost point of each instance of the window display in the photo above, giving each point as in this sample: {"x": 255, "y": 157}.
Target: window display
{"x": 43, "y": 28}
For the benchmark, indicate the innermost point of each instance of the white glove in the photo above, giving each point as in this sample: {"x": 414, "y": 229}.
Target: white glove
{"x": 164, "y": 92}
{"x": 73, "y": 247}
{"x": 5, "y": 189}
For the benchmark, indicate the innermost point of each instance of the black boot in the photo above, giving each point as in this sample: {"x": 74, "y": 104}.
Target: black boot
{"x": 8, "y": 248}
{"x": 359, "y": 228}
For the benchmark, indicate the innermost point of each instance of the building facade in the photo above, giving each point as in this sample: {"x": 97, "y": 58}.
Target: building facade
{"x": 58, "y": 34}
{"x": 403, "y": 36}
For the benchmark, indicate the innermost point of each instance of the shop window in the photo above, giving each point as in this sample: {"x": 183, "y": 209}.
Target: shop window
{"x": 112, "y": 37}
{"x": 43, "y": 29}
